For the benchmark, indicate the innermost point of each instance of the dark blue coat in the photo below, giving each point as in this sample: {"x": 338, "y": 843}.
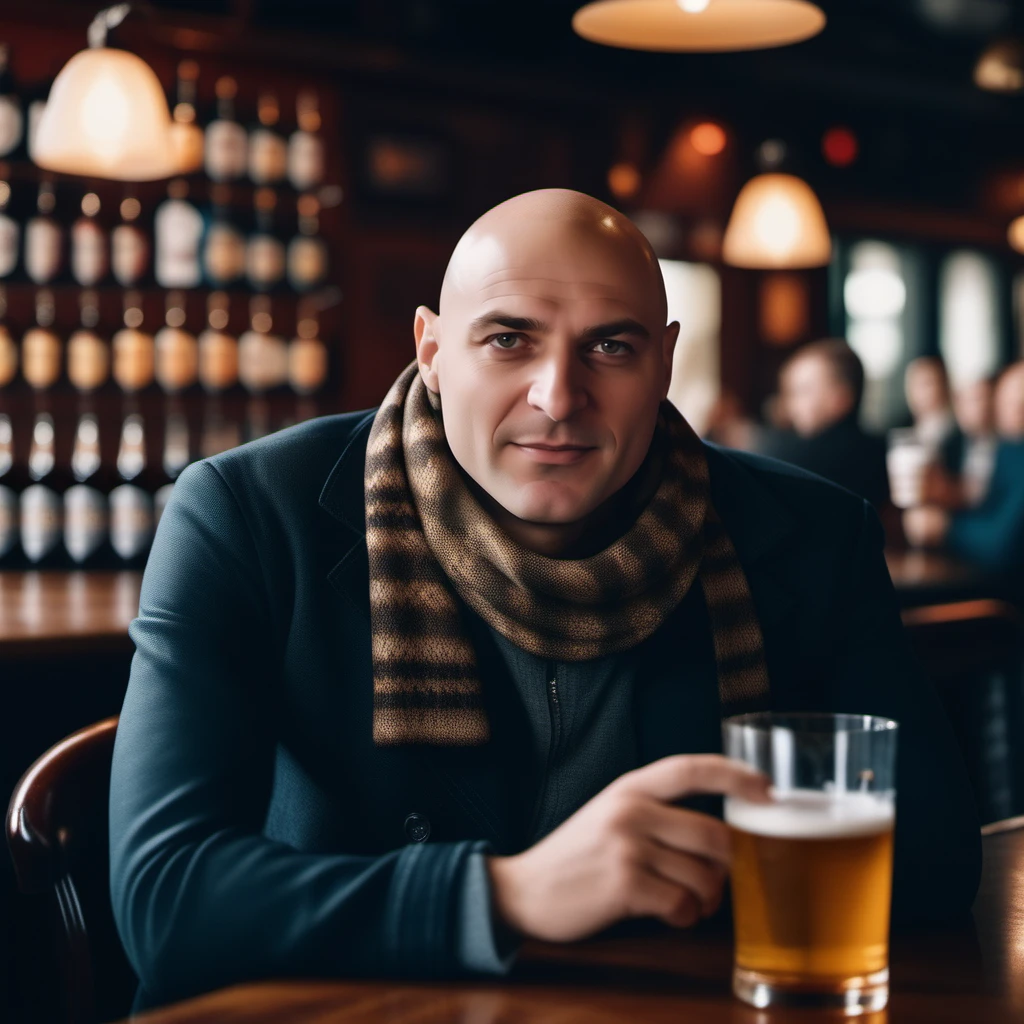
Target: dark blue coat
{"x": 257, "y": 832}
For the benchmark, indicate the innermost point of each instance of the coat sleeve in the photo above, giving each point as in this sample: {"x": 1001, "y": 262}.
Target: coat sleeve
{"x": 938, "y": 840}
{"x": 201, "y": 898}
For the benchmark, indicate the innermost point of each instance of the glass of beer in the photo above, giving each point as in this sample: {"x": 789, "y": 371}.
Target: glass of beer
{"x": 812, "y": 870}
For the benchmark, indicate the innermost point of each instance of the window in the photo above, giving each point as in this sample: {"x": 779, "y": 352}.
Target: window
{"x": 969, "y": 329}
{"x": 695, "y": 300}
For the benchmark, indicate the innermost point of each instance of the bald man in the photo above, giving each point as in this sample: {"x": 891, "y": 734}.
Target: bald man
{"x": 414, "y": 684}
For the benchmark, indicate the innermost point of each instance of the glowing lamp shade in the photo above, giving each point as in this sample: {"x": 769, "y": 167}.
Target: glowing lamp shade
{"x": 1016, "y": 234}
{"x": 107, "y": 117}
{"x": 711, "y": 26}
{"x": 777, "y": 224}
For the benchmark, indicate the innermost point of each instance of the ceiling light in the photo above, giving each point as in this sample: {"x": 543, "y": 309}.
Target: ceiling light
{"x": 1016, "y": 234}
{"x": 698, "y": 25}
{"x": 1001, "y": 68}
{"x": 106, "y": 115}
{"x": 777, "y": 224}
{"x": 708, "y": 139}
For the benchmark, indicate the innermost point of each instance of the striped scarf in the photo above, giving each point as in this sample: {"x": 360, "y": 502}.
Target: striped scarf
{"x": 430, "y": 544}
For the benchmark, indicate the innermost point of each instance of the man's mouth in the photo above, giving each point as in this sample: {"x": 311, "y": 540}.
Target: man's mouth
{"x": 554, "y": 454}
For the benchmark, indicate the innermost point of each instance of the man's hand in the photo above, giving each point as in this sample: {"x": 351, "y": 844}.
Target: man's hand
{"x": 925, "y": 527}
{"x": 627, "y": 853}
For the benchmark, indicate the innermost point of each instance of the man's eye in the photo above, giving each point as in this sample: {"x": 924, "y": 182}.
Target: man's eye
{"x": 505, "y": 341}
{"x": 612, "y": 348}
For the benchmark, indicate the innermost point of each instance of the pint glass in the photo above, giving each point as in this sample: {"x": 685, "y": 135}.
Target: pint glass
{"x": 812, "y": 871}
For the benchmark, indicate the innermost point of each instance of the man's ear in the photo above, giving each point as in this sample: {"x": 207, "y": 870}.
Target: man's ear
{"x": 425, "y": 328}
{"x": 668, "y": 348}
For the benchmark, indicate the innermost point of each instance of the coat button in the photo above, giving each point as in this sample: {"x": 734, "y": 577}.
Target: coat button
{"x": 417, "y": 827}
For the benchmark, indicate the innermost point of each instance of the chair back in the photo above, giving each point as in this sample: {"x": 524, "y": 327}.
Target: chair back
{"x": 57, "y": 836}
{"x": 974, "y": 653}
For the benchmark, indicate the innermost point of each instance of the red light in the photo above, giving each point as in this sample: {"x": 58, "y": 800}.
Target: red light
{"x": 840, "y": 147}
{"x": 708, "y": 138}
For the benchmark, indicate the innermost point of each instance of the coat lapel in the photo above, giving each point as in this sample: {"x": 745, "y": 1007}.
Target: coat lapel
{"x": 478, "y": 783}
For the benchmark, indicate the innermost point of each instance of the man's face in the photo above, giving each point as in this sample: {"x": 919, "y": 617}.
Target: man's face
{"x": 812, "y": 397}
{"x": 1009, "y": 404}
{"x": 926, "y": 388}
{"x": 972, "y": 404}
{"x": 552, "y": 359}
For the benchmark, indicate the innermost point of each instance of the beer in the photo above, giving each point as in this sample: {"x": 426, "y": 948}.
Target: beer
{"x": 811, "y": 884}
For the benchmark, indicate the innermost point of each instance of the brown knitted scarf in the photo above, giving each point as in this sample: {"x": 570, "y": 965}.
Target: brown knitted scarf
{"x": 430, "y": 543}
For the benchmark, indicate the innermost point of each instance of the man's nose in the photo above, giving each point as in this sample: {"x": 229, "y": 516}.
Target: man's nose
{"x": 557, "y": 390}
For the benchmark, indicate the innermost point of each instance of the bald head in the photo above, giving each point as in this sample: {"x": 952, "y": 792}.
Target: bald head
{"x": 550, "y": 352}
{"x": 542, "y": 231}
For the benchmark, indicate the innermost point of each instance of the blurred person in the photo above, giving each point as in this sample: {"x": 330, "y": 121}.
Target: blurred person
{"x": 992, "y": 532}
{"x": 926, "y": 386}
{"x": 961, "y": 477}
{"x": 728, "y": 425}
{"x": 821, "y": 387}
{"x": 416, "y": 683}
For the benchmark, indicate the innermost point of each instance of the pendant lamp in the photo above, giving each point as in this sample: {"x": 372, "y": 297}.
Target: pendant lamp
{"x": 712, "y": 26}
{"x": 777, "y": 223}
{"x": 107, "y": 115}
{"x": 1015, "y": 234}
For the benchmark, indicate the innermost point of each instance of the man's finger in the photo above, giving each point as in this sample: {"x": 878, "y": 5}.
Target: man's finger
{"x": 684, "y": 774}
{"x": 704, "y": 879}
{"x": 689, "y": 832}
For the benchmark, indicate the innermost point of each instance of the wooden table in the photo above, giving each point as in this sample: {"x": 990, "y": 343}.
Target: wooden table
{"x": 960, "y": 976}
{"x": 927, "y": 577}
{"x": 57, "y": 613}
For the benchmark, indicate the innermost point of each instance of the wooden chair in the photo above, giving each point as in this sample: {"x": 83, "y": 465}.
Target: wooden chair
{"x": 974, "y": 653}
{"x": 57, "y": 835}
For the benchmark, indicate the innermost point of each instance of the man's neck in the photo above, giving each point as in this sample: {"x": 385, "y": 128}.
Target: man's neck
{"x": 583, "y": 537}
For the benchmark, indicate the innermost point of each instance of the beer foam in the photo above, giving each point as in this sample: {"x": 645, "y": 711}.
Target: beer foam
{"x": 810, "y": 814}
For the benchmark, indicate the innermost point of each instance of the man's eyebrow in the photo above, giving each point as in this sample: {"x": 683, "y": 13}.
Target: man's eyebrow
{"x": 498, "y": 318}
{"x": 616, "y": 327}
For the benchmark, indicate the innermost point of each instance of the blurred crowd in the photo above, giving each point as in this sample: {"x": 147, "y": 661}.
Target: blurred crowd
{"x": 952, "y": 480}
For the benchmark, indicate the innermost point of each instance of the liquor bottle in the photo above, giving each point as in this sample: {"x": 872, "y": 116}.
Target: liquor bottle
{"x": 265, "y": 259}
{"x": 305, "y": 146}
{"x": 219, "y": 432}
{"x": 44, "y": 239}
{"x": 12, "y": 118}
{"x": 10, "y": 550}
{"x": 129, "y": 245}
{"x": 8, "y": 347}
{"x": 262, "y": 356}
{"x": 226, "y": 146}
{"x": 177, "y": 441}
{"x": 178, "y": 230}
{"x": 268, "y": 148}
{"x": 218, "y": 350}
{"x": 88, "y": 244}
{"x": 223, "y": 245}
{"x": 175, "y": 457}
{"x": 42, "y": 506}
{"x": 307, "y": 252}
{"x": 134, "y": 349}
{"x": 40, "y": 347}
{"x": 307, "y": 354}
{"x": 88, "y": 356}
{"x": 177, "y": 352}
{"x": 185, "y": 133}
{"x": 86, "y": 521}
{"x": 10, "y": 228}
{"x": 131, "y": 507}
